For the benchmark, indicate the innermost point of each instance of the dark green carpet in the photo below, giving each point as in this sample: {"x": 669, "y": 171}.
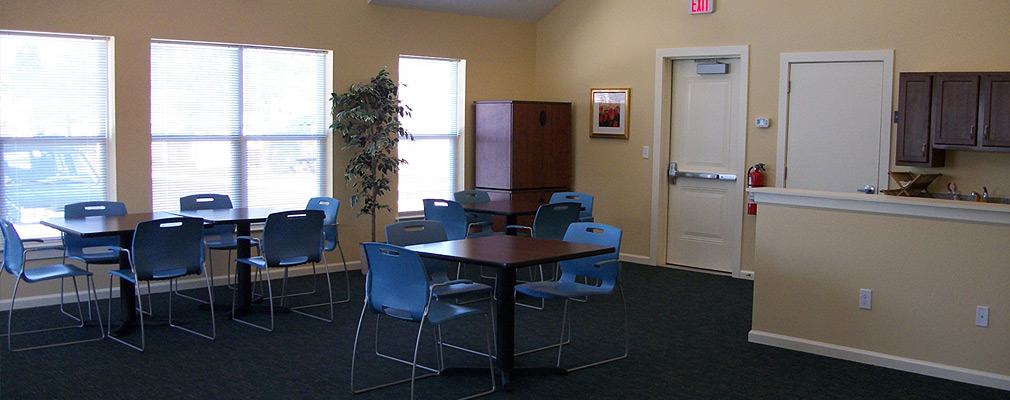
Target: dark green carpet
{"x": 688, "y": 341}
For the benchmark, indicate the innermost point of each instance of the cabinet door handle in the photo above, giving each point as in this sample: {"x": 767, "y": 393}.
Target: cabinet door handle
{"x": 972, "y": 131}
{"x": 985, "y": 133}
{"x": 923, "y": 149}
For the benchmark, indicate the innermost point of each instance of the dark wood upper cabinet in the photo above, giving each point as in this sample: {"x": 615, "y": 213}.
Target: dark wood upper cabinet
{"x": 915, "y": 97}
{"x": 955, "y": 109}
{"x": 994, "y": 110}
{"x": 523, "y": 145}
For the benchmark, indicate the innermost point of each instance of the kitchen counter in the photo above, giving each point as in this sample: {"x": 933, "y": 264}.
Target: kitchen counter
{"x": 929, "y": 263}
{"x": 924, "y": 207}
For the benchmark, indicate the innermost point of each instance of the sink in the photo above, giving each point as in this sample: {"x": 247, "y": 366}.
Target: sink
{"x": 963, "y": 197}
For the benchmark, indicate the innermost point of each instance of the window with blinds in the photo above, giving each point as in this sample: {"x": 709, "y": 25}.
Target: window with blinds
{"x": 247, "y": 121}
{"x": 54, "y": 125}
{"x": 434, "y": 90}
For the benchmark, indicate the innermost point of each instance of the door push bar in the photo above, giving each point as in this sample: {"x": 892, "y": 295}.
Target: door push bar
{"x": 674, "y": 174}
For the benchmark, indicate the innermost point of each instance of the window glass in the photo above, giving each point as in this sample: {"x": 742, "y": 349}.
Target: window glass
{"x": 246, "y": 121}
{"x": 54, "y": 125}
{"x": 431, "y": 88}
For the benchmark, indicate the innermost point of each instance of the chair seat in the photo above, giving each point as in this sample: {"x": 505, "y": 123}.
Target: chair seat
{"x": 105, "y": 257}
{"x": 439, "y": 312}
{"x": 160, "y": 274}
{"x": 459, "y": 289}
{"x": 559, "y": 290}
{"x": 261, "y": 263}
{"x": 219, "y": 245}
{"x": 54, "y": 271}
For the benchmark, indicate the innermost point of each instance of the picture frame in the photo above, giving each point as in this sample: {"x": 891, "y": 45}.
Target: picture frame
{"x": 610, "y": 112}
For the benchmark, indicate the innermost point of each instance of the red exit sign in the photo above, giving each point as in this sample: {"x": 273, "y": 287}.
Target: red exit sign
{"x": 702, "y": 6}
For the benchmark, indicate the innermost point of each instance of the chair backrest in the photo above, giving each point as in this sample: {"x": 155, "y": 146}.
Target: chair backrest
{"x": 407, "y": 233}
{"x": 586, "y": 214}
{"x": 396, "y": 284}
{"x": 471, "y": 196}
{"x": 207, "y": 201}
{"x": 450, "y": 214}
{"x": 225, "y": 234}
{"x": 552, "y": 220}
{"x": 329, "y": 206}
{"x": 14, "y": 257}
{"x": 593, "y": 233}
{"x": 93, "y": 208}
{"x": 75, "y": 244}
{"x": 167, "y": 244}
{"x": 293, "y": 237}
{"x": 474, "y": 196}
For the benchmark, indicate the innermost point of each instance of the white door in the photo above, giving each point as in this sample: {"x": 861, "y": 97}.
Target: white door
{"x": 838, "y": 129}
{"x": 705, "y": 210}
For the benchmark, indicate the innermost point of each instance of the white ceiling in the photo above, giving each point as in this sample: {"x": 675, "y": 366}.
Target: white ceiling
{"x": 521, "y": 10}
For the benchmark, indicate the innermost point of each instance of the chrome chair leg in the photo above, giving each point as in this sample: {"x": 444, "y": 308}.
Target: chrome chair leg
{"x": 91, "y": 291}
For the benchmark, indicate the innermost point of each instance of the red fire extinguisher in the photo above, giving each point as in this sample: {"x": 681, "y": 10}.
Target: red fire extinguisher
{"x": 755, "y": 178}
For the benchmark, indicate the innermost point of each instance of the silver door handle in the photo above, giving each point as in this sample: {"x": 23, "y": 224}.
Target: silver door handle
{"x": 674, "y": 174}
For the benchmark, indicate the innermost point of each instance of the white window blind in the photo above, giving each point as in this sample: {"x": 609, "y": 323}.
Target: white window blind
{"x": 54, "y": 125}
{"x": 433, "y": 89}
{"x": 246, "y": 121}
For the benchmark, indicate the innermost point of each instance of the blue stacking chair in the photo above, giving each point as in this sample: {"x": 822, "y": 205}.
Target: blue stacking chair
{"x": 450, "y": 213}
{"x": 290, "y": 238}
{"x": 14, "y": 264}
{"x": 165, "y": 249}
{"x": 93, "y": 250}
{"x": 481, "y": 221}
{"x": 217, "y": 237}
{"x": 408, "y": 233}
{"x": 398, "y": 286}
{"x": 604, "y": 270}
{"x": 586, "y": 213}
{"x": 550, "y": 222}
{"x": 330, "y": 207}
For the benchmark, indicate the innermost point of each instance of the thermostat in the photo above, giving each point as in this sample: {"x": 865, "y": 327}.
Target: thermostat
{"x": 762, "y": 123}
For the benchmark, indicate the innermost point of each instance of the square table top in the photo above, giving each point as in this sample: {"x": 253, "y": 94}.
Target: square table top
{"x": 104, "y": 224}
{"x": 232, "y": 215}
{"x": 503, "y": 207}
{"x": 507, "y": 251}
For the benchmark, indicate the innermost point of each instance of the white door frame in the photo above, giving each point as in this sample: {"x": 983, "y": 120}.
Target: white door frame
{"x": 884, "y": 56}
{"x": 661, "y": 133}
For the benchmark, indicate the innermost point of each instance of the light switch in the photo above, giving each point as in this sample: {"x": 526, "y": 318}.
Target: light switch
{"x": 762, "y": 123}
{"x": 645, "y": 151}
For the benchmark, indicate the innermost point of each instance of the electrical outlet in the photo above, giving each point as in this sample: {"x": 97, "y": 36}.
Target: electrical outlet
{"x": 865, "y": 298}
{"x": 982, "y": 316}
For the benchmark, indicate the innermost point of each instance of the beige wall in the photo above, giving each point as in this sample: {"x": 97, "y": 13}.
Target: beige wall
{"x": 927, "y": 277}
{"x": 364, "y": 38}
{"x": 612, "y": 43}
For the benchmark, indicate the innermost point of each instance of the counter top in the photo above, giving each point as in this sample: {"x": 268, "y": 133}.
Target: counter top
{"x": 920, "y": 207}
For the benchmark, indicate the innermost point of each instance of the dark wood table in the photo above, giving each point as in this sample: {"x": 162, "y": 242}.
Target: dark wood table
{"x": 511, "y": 209}
{"x": 106, "y": 225}
{"x": 506, "y": 253}
{"x": 242, "y": 218}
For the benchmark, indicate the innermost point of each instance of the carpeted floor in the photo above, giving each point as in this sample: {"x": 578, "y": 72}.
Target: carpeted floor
{"x": 688, "y": 341}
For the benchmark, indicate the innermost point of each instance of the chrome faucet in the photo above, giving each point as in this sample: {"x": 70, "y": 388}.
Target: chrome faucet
{"x": 983, "y": 197}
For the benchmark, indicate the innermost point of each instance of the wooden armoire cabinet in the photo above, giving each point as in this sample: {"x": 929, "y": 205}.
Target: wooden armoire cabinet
{"x": 523, "y": 149}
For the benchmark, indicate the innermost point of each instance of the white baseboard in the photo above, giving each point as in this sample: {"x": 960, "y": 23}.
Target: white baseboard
{"x": 944, "y": 371}
{"x": 634, "y": 258}
{"x": 194, "y": 282}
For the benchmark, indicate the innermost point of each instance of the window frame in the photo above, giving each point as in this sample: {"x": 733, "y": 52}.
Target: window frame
{"x": 107, "y": 141}
{"x": 459, "y": 145}
{"x": 240, "y": 141}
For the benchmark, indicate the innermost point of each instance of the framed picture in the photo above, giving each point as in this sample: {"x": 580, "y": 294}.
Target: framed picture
{"x": 610, "y": 112}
